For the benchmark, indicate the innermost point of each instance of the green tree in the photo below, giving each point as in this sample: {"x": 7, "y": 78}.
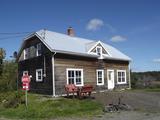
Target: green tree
{"x": 2, "y": 56}
{"x": 134, "y": 79}
{"x": 9, "y": 76}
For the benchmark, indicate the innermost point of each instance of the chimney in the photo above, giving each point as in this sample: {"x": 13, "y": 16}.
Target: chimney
{"x": 70, "y": 31}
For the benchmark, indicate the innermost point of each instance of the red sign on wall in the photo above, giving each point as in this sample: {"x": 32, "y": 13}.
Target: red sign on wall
{"x": 25, "y": 82}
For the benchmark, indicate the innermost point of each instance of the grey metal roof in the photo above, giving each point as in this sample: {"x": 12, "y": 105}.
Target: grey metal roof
{"x": 75, "y": 45}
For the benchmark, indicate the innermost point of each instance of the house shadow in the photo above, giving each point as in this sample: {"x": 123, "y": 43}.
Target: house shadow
{"x": 80, "y": 98}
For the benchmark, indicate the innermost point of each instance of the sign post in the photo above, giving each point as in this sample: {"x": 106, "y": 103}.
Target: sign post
{"x": 26, "y": 99}
{"x": 25, "y": 85}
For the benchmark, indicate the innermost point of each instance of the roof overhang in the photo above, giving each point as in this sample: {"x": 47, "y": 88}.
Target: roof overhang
{"x": 76, "y": 53}
{"x": 121, "y": 59}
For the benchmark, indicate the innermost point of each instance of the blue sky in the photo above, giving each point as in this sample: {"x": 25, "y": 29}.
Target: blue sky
{"x": 132, "y": 26}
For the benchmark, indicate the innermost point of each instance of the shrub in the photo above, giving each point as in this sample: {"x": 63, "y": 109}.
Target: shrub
{"x": 13, "y": 100}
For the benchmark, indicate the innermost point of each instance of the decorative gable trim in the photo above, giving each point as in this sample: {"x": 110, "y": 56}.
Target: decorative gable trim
{"x": 103, "y": 48}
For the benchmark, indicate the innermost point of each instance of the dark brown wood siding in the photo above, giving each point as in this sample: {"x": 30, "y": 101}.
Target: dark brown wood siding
{"x": 89, "y": 66}
{"x": 37, "y": 62}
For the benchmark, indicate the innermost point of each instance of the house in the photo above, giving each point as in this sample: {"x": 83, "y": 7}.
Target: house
{"x": 54, "y": 60}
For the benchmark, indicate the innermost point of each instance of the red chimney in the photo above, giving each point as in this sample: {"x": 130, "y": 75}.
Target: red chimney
{"x": 70, "y": 31}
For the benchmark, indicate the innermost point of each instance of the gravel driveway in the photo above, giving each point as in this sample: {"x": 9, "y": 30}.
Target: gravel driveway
{"x": 146, "y": 105}
{"x": 138, "y": 100}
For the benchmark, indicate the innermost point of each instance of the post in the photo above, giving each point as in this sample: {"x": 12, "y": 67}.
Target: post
{"x": 53, "y": 76}
{"x": 129, "y": 75}
{"x": 26, "y": 99}
{"x": 26, "y": 81}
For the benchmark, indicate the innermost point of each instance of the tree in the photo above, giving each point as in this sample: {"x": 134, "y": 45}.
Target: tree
{"x": 2, "y": 56}
{"x": 9, "y": 76}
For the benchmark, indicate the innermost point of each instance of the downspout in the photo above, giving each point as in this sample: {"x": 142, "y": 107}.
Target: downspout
{"x": 53, "y": 76}
{"x": 44, "y": 65}
{"x": 129, "y": 75}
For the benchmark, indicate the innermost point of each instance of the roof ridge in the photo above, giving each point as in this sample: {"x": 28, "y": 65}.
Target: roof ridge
{"x": 68, "y": 35}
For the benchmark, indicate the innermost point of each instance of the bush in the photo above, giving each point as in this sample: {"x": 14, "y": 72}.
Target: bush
{"x": 13, "y": 100}
{"x": 134, "y": 80}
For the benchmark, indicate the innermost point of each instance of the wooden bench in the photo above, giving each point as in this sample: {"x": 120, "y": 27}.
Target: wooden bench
{"x": 71, "y": 88}
{"x": 85, "y": 90}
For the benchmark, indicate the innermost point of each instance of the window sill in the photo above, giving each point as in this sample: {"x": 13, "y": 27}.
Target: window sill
{"x": 79, "y": 85}
{"x": 100, "y": 84}
{"x": 121, "y": 83}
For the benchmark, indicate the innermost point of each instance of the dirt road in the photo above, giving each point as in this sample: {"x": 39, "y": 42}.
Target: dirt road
{"x": 138, "y": 100}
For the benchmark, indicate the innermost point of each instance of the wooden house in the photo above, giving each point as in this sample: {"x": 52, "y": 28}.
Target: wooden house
{"x": 54, "y": 60}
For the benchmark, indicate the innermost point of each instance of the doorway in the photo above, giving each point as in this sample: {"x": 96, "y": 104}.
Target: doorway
{"x": 110, "y": 78}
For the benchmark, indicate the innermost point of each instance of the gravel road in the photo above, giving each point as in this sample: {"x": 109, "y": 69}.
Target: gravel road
{"x": 138, "y": 100}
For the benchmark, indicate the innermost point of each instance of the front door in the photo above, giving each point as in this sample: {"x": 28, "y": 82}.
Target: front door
{"x": 110, "y": 78}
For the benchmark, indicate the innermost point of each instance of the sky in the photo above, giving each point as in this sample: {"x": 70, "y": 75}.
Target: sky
{"x": 132, "y": 26}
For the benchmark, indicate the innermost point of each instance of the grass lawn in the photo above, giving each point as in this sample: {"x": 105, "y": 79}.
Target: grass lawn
{"x": 152, "y": 89}
{"x": 145, "y": 89}
{"x": 40, "y": 107}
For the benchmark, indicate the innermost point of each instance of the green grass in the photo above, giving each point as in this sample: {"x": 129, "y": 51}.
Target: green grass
{"x": 40, "y": 107}
{"x": 152, "y": 89}
{"x": 145, "y": 89}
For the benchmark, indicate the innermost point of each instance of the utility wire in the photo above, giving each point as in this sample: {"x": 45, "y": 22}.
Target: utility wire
{"x": 10, "y": 35}
{"x": 14, "y": 33}
{"x": 4, "y": 38}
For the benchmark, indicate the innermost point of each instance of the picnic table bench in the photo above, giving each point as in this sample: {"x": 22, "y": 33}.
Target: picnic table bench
{"x": 71, "y": 88}
{"x": 81, "y": 91}
{"x": 85, "y": 90}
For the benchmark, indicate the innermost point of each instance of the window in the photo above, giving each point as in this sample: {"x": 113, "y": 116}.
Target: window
{"x": 32, "y": 51}
{"x": 25, "y": 73}
{"x": 99, "y": 51}
{"x": 75, "y": 76}
{"x": 100, "y": 77}
{"x": 121, "y": 76}
{"x": 26, "y": 53}
{"x": 39, "y": 76}
{"x": 39, "y": 49}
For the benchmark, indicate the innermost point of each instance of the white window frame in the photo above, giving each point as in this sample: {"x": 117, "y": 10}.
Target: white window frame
{"x": 39, "y": 47}
{"x": 125, "y": 81}
{"x": 26, "y": 51}
{"x": 99, "y": 47}
{"x": 75, "y": 69}
{"x": 100, "y": 70}
{"x": 24, "y": 72}
{"x": 39, "y": 70}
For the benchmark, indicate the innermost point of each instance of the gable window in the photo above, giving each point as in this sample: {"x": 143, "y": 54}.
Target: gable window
{"x": 32, "y": 51}
{"x": 99, "y": 50}
{"x": 75, "y": 76}
{"x": 26, "y": 53}
{"x": 100, "y": 77}
{"x": 39, "y": 75}
{"x": 39, "y": 49}
{"x": 121, "y": 76}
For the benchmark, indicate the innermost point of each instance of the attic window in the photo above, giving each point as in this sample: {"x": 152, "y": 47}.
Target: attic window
{"x": 99, "y": 50}
{"x": 39, "y": 49}
{"x": 26, "y": 53}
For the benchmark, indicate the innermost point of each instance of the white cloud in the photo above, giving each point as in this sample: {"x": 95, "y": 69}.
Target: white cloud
{"x": 111, "y": 28}
{"x": 157, "y": 60}
{"x": 94, "y": 24}
{"x": 118, "y": 38}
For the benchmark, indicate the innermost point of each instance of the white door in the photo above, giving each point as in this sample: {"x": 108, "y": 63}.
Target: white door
{"x": 110, "y": 78}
